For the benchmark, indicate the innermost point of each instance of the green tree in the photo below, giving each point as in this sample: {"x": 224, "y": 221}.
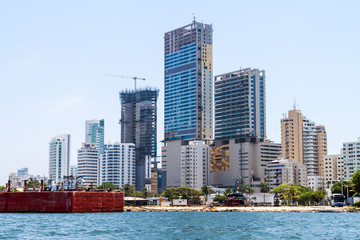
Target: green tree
{"x": 2, "y": 188}
{"x": 171, "y": 193}
{"x": 206, "y": 191}
{"x": 242, "y": 188}
{"x": 305, "y": 198}
{"x": 264, "y": 187}
{"x": 317, "y": 196}
{"x": 107, "y": 186}
{"x": 183, "y": 192}
{"x": 220, "y": 198}
{"x": 31, "y": 181}
{"x": 128, "y": 190}
{"x": 304, "y": 189}
{"x": 248, "y": 189}
{"x": 336, "y": 188}
{"x": 136, "y": 194}
{"x": 356, "y": 181}
{"x": 290, "y": 193}
{"x": 228, "y": 191}
{"x": 282, "y": 188}
{"x": 145, "y": 192}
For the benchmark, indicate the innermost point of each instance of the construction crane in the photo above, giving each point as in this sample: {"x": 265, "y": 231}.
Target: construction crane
{"x": 119, "y": 76}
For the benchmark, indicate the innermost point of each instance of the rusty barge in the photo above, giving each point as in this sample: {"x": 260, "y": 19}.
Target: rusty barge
{"x": 60, "y": 201}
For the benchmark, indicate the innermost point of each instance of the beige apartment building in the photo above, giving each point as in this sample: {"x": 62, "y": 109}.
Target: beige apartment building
{"x": 292, "y": 136}
{"x": 302, "y": 141}
{"x": 321, "y": 137}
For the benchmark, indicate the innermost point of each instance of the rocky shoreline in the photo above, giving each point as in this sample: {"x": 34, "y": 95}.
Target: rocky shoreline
{"x": 241, "y": 209}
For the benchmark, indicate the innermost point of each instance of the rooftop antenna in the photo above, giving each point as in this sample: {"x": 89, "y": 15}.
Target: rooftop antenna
{"x": 294, "y": 104}
{"x": 194, "y": 16}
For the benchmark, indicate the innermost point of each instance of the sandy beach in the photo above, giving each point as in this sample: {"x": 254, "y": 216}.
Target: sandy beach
{"x": 241, "y": 209}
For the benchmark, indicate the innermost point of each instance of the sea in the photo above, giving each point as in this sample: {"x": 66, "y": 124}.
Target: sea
{"x": 180, "y": 225}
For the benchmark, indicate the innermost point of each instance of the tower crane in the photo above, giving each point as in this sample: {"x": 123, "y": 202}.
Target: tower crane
{"x": 119, "y": 76}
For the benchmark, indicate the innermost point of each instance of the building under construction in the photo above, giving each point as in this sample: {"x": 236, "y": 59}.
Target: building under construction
{"x": 138, "y": 125}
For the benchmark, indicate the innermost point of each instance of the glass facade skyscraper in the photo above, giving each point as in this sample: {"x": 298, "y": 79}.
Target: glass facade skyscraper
{"x": 94, "y": 133}
{"x": 188, "y": 83}
{"x": 240, "y": 104}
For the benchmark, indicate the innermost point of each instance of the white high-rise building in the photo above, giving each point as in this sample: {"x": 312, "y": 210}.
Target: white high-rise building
{"x": 87, "y": 163}
{"x": 118, "y": 164}
{"x": 195, "y": 164}
{"x": 310, "y": 147}
{"x": 59, "y": 157}
{"x": 351, "y": 154}
{"x": 333, "y": 169}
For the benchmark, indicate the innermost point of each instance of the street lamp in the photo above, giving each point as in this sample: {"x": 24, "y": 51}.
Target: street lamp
{"x": 347, "y": 191}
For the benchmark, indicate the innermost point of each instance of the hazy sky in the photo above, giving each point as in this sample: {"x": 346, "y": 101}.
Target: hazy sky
{"x": 53, "y": 56}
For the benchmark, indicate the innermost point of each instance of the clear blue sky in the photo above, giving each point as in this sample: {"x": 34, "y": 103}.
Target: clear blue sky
{"x": 53, "y": 56}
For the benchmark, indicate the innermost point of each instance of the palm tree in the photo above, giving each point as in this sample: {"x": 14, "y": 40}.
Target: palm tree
{"x": 264, "y": 187}
{"x": 293, "y": 192}
{"x": 31, "y": 181}
{"x": 145, "y": 192}
{"x": 206, "y": 191}
{"x": 249, "y": 189}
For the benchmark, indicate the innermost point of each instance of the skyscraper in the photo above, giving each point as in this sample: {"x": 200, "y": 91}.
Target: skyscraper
{"x": 241, "y": 150}
{"x": 138, "y": 125}
{"x": 189, "y": 83}
{"x": 292, "y": 136}
{"x": 59, "y": 157}
{"x": 188, "y": 94}
{"x": 310, "y": 147}
{"x": 303, "y": 141}
{"x": 321, "y": 138}
{"x": 94, "y": 133}
{"x": 240, "y": 104}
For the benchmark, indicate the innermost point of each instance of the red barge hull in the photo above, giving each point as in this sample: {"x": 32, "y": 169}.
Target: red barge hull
{"x": 61, "y": 202}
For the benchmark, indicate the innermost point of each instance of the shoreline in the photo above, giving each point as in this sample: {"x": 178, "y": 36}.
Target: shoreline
{"x": 241, "y": 209}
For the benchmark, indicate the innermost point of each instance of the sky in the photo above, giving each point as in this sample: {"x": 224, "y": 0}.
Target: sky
{"x": 54, "y": 54}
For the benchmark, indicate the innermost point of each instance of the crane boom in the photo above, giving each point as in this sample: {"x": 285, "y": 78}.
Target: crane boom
{"x": 119, "y": 76}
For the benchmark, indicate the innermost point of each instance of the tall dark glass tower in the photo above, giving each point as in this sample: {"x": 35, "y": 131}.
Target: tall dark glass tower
{"x": 138, "y": 125}
{"x": 240, "y": 104}
{"x": 189, "y": 83}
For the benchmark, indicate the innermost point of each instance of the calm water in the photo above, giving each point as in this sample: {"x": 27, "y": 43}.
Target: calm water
{"x": 167, "y": 225}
